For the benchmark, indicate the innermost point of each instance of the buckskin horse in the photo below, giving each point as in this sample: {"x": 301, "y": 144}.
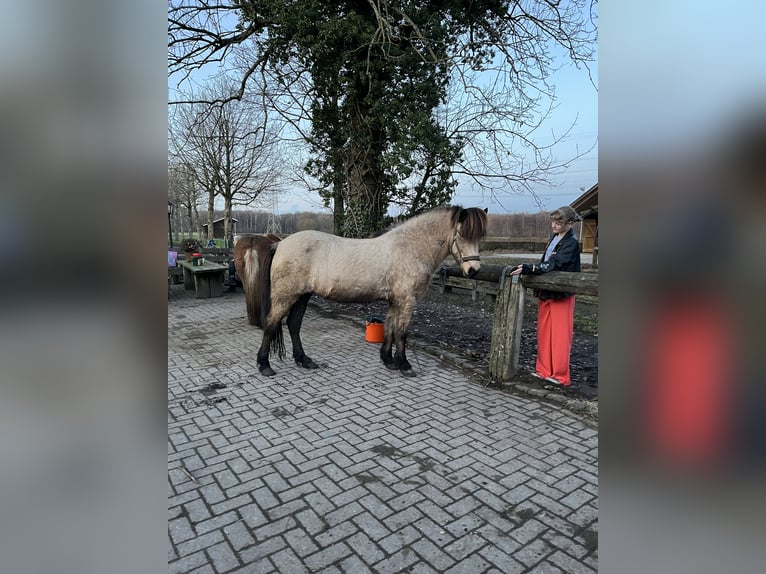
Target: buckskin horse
{"x": 280, "y": 277}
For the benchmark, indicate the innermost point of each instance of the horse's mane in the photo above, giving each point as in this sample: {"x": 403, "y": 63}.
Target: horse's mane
{"x": 473, "y": 220}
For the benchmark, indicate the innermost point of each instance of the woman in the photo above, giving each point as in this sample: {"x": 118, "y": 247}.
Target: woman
{"x": 555, "y": 312}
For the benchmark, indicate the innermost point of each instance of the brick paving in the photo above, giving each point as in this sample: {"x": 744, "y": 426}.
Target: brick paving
{"x": 352, "y": 469}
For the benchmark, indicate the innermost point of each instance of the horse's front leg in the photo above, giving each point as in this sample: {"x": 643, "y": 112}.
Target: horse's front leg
{"x": 401, "y": 355}
{"x": 397, "y": 323}
{"x": 294, "y": 322}
{"x": 388, "y": 341}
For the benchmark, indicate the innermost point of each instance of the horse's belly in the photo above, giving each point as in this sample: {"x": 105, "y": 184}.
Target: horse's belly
{"x": 357, "y": 292}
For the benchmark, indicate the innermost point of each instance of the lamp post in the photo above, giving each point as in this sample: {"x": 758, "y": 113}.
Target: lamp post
{"x": 170, "y": 228}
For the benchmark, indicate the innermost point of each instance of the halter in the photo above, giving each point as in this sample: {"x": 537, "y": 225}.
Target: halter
{"x": 460, "y": 251}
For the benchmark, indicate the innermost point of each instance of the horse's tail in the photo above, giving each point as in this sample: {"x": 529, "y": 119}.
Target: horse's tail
{"x": 246, "y": 259}
{"x": 249, "y": 253}
{"x": 250, "y": 284}
{"x": 264, "y": 290}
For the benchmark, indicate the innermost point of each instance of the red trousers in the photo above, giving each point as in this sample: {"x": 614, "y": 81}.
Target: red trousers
{"x": 555, "y": 328}
{"x": 690, "y": 382}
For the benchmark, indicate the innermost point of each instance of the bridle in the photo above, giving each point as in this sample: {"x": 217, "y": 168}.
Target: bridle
{"x": 455, "y": 235}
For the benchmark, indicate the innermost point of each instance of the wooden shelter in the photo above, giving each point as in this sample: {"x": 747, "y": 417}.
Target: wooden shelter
{"x": 587, "y": 206}
{"x": 218, "y": 228}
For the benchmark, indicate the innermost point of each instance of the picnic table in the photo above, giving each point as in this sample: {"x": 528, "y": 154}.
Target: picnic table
{"x": 206, "y": 279}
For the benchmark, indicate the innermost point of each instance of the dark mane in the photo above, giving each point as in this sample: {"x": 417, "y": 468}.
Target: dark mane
{"x": 473, "y": 220}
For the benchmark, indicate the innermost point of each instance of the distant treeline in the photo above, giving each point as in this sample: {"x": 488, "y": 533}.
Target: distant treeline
{"x": 519, "y": 225}
{"x": 512, "y": 225}
{"x": 258, "y": 221}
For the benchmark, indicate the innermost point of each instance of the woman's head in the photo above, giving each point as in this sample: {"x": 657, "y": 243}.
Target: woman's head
{"x": 564, "y": 215}
{"x": 562, "y": 219}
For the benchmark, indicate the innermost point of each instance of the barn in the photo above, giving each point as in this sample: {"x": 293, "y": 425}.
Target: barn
{"x": 587, "y": 206}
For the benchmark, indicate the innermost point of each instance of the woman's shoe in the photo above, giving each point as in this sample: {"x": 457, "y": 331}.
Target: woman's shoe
{"x": 556, "y": 382}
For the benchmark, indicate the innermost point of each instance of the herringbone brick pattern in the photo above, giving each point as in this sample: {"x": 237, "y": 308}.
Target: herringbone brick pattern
{"x": 354, "y": 469}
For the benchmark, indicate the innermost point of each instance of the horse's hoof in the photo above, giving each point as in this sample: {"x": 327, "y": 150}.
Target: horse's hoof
{"x": 408, "y": 372}
{"x": 392, "y": 366}
{"x": 267, "y": 372}
{"x": 307, "y": 363}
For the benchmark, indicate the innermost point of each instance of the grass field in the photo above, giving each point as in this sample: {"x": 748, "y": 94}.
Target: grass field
{"x": 199, "y": 237}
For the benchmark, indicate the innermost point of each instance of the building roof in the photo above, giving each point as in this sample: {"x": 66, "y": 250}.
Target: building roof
{"x": 217, "y": 220}
{"x": 587, "y": 204}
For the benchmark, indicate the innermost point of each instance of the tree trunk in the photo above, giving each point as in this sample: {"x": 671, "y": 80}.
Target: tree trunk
{"x": 365, "y": 202}
{"x": 191, "y": 220}
{"x": 338, "y": 211}
{"x": 338, "y": 202}
{"x": 227, "y": 219}
{"x": 210, "y": 213}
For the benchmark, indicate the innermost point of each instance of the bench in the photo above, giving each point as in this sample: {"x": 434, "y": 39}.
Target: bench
{"x": 206, "y": 279}
{"x": 175, "y": 275}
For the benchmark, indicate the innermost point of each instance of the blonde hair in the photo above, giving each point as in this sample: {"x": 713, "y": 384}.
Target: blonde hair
{"x": 564, "y": 214}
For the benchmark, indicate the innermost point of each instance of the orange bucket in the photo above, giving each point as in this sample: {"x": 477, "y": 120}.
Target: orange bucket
{"x": 375, "y": 330}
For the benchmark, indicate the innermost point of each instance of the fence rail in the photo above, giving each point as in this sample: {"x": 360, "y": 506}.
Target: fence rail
{"x": 509, "y": 307}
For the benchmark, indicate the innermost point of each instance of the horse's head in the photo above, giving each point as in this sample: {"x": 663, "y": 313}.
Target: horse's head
{"x": 469, "y": 227}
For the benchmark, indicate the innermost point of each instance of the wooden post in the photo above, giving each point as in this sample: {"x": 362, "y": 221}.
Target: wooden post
{"x": 506, "y": 330}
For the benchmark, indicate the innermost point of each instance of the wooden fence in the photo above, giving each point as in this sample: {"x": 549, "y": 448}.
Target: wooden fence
{"x": 509, "y": 307}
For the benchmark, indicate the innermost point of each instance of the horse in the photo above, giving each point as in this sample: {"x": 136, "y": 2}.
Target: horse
{"x": 249, "y": 251}
{"x": 395, "y": 266}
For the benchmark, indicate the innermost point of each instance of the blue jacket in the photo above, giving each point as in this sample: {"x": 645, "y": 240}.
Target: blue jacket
{"x": 565, "y": 257}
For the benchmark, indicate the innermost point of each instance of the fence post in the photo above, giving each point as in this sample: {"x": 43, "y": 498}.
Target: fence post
{"x": 506, "y": 330}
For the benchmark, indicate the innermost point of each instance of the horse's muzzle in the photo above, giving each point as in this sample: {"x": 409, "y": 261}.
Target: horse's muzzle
{"x": 472, "y": 271}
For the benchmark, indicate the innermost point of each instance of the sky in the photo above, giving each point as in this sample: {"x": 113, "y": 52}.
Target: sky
{"x": 577, "y": 103}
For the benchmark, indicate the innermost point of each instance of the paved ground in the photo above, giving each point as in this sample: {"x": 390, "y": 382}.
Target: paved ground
{"x": 353, "y": 469}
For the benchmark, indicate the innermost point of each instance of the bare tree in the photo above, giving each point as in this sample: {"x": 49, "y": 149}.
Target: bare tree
{"x": 184, "y": 192}
{"x": 230, "y": 146}
{"x": 192, "y": 144}
{"x": 503, "y": 129}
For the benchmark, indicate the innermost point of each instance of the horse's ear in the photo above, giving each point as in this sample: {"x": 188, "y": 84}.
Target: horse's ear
{"x": 486, "y": 210}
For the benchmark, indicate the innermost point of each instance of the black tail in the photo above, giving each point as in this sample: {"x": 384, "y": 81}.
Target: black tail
{"x": 264, "y": 288}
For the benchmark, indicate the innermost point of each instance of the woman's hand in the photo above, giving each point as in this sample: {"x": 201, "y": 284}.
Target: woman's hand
{"x": 516, "y": 270}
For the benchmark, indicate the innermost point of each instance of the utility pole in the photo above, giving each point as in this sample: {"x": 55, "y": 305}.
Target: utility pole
{"x": 274, "y": 225}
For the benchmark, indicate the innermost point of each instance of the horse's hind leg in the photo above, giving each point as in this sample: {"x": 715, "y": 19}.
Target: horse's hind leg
{"x": 273, "y": 338}
{"x": 294, "y": 322}
{"x": 388, "y": 341}
{"x": 264, "y": 367}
